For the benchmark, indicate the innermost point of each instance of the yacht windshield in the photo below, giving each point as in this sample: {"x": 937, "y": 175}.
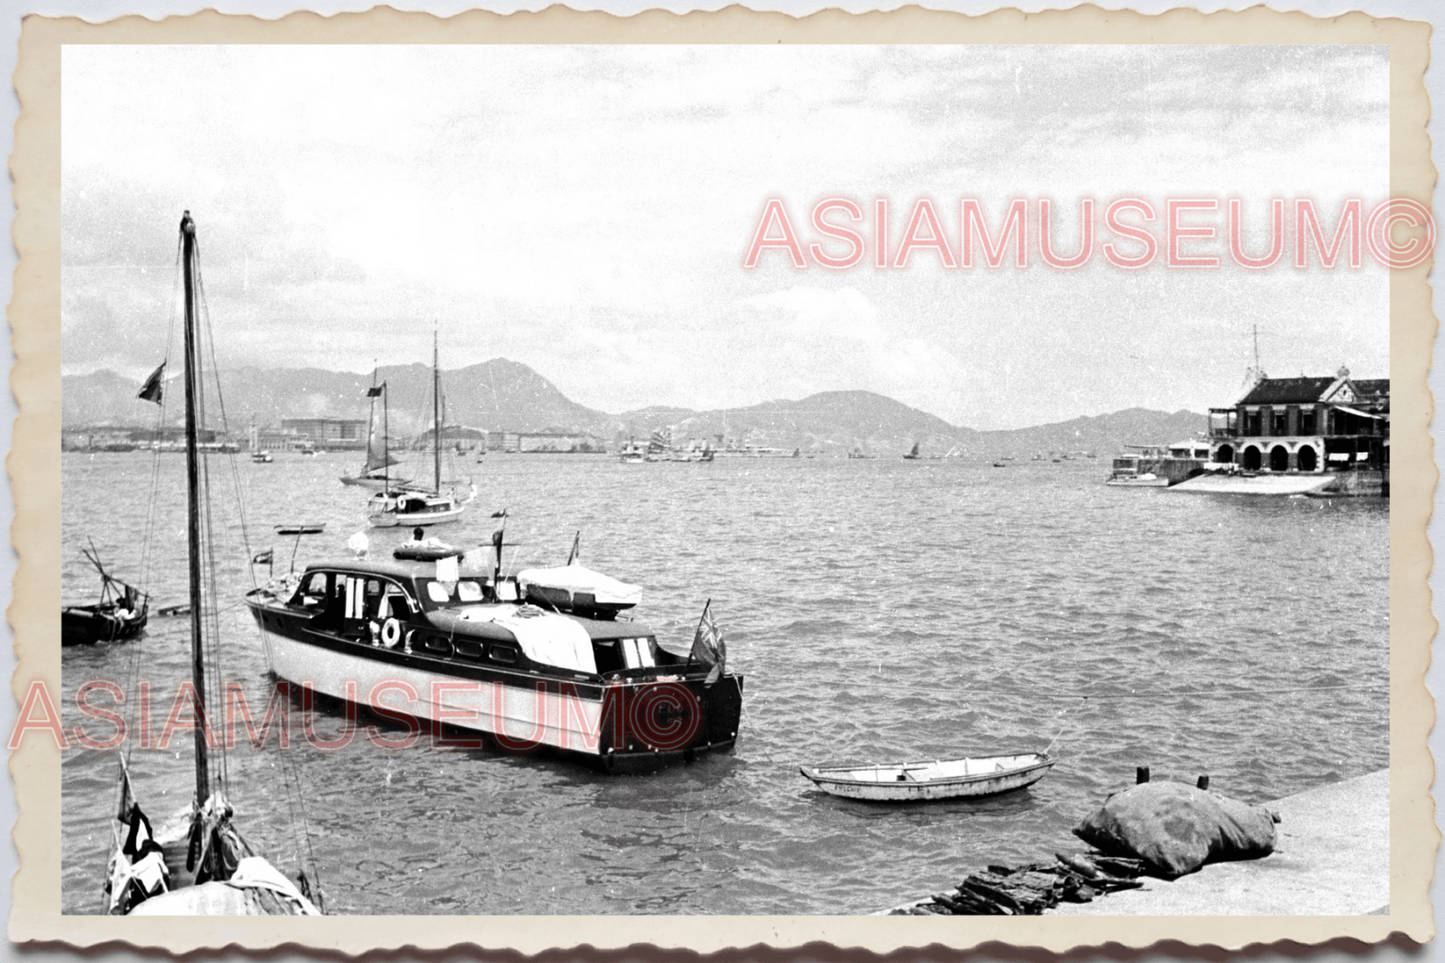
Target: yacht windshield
{"x": 465, "y": 591}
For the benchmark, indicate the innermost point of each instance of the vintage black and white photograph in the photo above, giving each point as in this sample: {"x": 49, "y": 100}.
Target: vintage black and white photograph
{"x": 727, "y": 480}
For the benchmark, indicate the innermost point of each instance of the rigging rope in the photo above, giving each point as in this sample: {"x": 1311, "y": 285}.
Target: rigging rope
{"x": 290, "y": 769}
{"x": 149, "y": 530}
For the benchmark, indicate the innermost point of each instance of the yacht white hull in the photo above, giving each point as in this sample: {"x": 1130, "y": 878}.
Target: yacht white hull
{"x": 414, "y": 519}
{"x": 521, "y": 715}
{"x": 413, "y": 509}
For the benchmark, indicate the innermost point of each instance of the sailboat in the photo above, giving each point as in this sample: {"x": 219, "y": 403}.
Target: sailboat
{"x": 402, "y": 504}
{"x": 913, "y": 455}
{"x": 658, "y": 444}
{"x": 375, "y": 471}
{"x": 200, "y": 865}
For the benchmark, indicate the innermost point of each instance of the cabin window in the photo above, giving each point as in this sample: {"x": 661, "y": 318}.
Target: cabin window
{"x": 637, "y": 653}
{"x": 394, "y": 603}
{"x": 465, "y": 590}
{"x": 502, "y": 653}
{"x": 312, "y": 592}
{"x": 608, "y": 655}
{"x": 436, "y": 644}
{"x": 507, "y": 591}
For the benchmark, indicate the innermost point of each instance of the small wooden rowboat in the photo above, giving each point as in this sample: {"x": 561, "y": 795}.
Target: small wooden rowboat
{"x": 944, "y": 779}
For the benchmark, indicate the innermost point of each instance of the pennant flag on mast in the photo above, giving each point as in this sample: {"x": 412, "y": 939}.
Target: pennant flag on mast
{"x": 708, "y": 646}
{"x": 375, "y": 390}
{"x": 151, "y": 390}
{"x": 497, "y": 538}
{"x": 575, "y": 556}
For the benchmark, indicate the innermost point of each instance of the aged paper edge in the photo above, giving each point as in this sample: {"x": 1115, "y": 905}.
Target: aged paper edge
{"x": 34, "y": 466}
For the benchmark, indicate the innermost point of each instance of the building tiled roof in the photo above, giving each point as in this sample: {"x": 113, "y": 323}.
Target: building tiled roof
{"x": 1373, "y": 388}
{"x": 1277, "y": 391}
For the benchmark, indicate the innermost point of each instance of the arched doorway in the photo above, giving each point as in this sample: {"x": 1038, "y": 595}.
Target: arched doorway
{"x": 1306, "y": 459}
{"x": 1251, "y": 459}
{"x": 1225, "y": 454}
{"x": 1278, "y": 458}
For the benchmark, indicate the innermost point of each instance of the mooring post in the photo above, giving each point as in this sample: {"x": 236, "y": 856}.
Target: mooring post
{"x": 1141, "y": 775}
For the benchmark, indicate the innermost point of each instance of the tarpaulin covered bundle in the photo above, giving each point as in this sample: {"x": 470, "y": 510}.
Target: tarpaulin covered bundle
{"x": 1176, "y": 828}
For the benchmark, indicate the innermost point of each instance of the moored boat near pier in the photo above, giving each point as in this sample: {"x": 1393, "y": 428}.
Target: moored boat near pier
{"x": 977, "y": 776}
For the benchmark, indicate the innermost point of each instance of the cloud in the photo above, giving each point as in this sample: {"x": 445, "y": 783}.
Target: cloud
{"x": 585, "y": 209}
{"x": 809, "y": 312}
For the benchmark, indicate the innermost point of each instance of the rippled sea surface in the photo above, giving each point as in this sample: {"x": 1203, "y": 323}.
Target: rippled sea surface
{"x": 879, "y": 609}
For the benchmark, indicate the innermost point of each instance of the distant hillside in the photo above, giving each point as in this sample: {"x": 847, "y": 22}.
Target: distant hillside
{"x": 502, "y": 394}
{"x": 831, "y": 422}
{"x": 495, "y": 394}
{"x": 1101, "y": 434}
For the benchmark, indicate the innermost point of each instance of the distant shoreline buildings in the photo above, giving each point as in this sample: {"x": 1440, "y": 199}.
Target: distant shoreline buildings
{"x": 331, "y": 434}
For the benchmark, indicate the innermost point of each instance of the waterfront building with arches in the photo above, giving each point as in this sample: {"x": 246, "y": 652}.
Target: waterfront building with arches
{"x": 1306, "y": 425}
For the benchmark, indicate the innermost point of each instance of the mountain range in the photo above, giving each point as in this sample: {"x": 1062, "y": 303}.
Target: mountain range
{"x": 502, "y": 394}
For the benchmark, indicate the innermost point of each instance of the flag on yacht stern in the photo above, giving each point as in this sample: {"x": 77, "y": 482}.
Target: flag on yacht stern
{"x": 708, "y": 646}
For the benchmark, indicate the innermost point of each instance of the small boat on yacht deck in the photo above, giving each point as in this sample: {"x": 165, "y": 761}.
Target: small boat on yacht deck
{"x": 941, "y": 779}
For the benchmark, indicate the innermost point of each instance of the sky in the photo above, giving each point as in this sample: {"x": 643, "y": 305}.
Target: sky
{"x": 587, "y": 211}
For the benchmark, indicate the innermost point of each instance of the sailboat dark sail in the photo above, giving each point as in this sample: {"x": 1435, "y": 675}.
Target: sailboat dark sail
{"x": 376, "y": 473}
{"x": 201, "y": 865}
{"x": 411, "y": 505}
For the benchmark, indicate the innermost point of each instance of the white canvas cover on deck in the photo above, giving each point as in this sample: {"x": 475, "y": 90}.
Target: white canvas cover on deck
{"x": 578, "y": 580}
{"x": 543, "y": 636}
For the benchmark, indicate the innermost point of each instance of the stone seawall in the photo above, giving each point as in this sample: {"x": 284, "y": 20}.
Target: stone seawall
{"x": 1332, "y": 858}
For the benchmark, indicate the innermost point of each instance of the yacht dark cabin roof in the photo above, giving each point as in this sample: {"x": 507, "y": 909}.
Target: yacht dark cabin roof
{"x": 384, "y": 566}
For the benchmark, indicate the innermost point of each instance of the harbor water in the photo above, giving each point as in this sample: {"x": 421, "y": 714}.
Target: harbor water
{"x": 880, "y": 610}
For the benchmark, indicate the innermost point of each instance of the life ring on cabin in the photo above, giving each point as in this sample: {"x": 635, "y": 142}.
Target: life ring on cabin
{"x": 390, "y": 633}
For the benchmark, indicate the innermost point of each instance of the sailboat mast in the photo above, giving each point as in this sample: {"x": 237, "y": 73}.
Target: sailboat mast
{"x": 436, "y": 421}
{"x": 371, "y": 427}
{"x": 385, "y": 441}
{"x": 193, "y": 505}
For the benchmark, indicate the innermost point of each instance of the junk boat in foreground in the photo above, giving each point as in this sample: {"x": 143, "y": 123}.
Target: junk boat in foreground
{"x": 539, "y": 659}
{"x": 946, "y": 779}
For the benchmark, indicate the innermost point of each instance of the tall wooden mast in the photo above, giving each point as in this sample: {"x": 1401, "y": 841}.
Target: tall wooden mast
{"x": 193, "y": 503}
